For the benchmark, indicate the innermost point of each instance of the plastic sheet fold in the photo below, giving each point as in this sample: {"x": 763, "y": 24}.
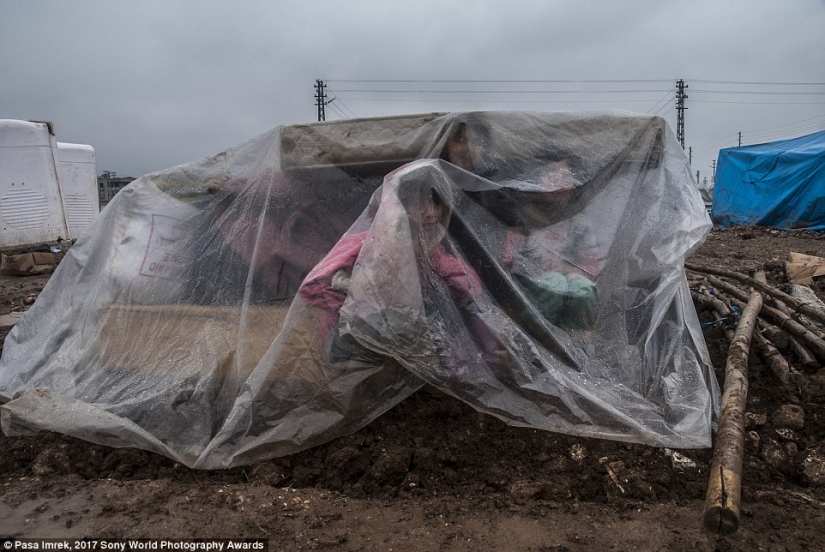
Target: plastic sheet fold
{"x": 290, "y": 290}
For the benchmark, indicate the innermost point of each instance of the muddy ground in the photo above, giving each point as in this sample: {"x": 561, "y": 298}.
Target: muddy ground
{"x": 433, "y": 474}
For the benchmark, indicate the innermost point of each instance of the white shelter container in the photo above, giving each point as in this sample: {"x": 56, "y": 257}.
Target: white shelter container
{"x": 31, "y": 209}
{"x": 48, "y": 189}
{"x": 78, "y": 184}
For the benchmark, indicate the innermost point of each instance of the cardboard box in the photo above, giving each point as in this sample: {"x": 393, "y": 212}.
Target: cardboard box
{"x": 27, "y": 264}
{"x": 199, "y": 339}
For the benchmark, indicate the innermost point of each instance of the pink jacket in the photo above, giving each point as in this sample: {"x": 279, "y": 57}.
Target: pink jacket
{"x": 462, "y": 281}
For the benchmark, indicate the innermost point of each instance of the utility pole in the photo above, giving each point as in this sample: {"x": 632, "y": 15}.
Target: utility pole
{"x": 740, "y": 138}
{"x": 697, "y": 176}
{"x": 321, "y": 99}
{"x": 690, "y": 155}
{"x": 713, "y": 171}
{"x": 680, "y": 111}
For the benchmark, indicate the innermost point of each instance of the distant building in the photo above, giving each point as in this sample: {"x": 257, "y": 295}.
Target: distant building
{"x": 109, "y": 183}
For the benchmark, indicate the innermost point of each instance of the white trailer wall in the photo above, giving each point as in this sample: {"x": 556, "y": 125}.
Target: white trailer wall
{"x": 78, "y": 169}
{"x": 48, "y": 189}
{"x": 31, "y": 210}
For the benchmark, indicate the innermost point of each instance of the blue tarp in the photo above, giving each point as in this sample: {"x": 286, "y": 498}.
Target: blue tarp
{"x": 779, "y": 184}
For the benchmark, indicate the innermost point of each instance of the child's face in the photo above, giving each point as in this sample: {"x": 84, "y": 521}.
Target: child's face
{"x": 428, "y": 216}
{"x": 465, "y": 149}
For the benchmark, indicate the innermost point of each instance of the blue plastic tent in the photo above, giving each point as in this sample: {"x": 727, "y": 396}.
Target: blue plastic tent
{"x": 778, "y": 184}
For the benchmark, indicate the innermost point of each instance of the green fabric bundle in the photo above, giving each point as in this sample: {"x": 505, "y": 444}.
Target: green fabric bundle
{"x": 569, "y": 303}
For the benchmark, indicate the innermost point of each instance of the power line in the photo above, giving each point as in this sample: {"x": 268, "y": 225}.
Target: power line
{"x": 757, "y": 137}
{"x": 759, "y": 103}
{"x": 346, "y": 108}
{"x": 667, "y": 112}
{"x": 541, "y": 91}
{"x": 771, "y": 83}
{"x": 756, "y": 92}
{"x": 786, "y": 130}
{"x": 790, "y": 124}
{"x": 495, "y": 81}
{"x": 662, "y": 101}
{"x": 338, "y": 111}
{"x": 341, "y": 108}
{"x": 379, "y": 91}
{"x": 464, "y": 100}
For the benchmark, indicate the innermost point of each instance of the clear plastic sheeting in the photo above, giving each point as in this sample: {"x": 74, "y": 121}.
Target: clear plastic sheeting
{"x": 290, "y": 290}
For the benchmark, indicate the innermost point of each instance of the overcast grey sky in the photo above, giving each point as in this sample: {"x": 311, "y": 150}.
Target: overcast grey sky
{"x": 153, "y": 84}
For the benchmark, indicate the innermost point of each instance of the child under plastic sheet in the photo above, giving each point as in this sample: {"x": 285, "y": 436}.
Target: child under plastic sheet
{"x": 558, "y": 263}
{"x": 426, "y": 198}
{"x": 551, "y": 253}
{"x": 469, "y": 146}
{"x": 265, "y": 226}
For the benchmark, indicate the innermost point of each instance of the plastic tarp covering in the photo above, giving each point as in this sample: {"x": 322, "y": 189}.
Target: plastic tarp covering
{"x": 292, "y": 289}
{"x": 779, "y": 184}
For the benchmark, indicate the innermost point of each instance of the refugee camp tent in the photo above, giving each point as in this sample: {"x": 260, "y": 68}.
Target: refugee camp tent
{"x": 291, "y": 289}
{"x": 778, "y": 184}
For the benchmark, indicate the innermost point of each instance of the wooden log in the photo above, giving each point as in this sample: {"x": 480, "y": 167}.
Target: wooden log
{"x": 791, "y": 380}
{"x": 809, "y": 297}
{"x": 782, "y": 320}
{"x": 722, "y": 511}
{"x": 759, "y": 276}
{"x": 798, "y": 305}
{"x": 778, "y": 337}
{"x": 730, "y": 289}
{"x": 789, "y": 341}
{"x": 712, "y": 304}
{"x": 799, "y": 350}
{"x": 814, "y": 328}
{"x": 772, "y": 357}
{"x": 814, "y": 343}
{"x": 766, "y": 339}
{"x": 716, "y": 295}
{"x": 717, "y": 307}
{"x": 803, "y": 354}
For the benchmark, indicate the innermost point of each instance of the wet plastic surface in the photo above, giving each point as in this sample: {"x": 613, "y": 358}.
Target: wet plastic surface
{"x": 290, "y": 290}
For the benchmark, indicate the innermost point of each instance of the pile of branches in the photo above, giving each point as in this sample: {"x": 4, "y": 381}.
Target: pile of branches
{"x": 775, "y": 322}
{"x": 787, "y": 327}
